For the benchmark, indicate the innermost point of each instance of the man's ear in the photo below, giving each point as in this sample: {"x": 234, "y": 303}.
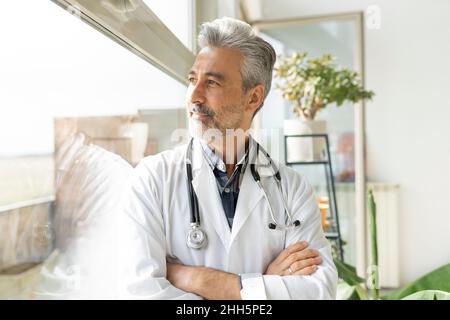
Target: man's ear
{"x": 255, "y": 98}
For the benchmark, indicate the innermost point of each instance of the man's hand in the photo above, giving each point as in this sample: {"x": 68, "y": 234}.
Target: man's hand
{"x": 298, "y": 258}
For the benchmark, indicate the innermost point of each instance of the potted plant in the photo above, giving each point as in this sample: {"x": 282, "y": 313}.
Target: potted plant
{"x": 311, "y": 85}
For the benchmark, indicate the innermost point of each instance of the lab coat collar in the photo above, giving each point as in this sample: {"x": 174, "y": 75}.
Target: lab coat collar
{"x": 197, "y": 156}
{"x": 262, "y": 163}
{"x": 249, "y": 196}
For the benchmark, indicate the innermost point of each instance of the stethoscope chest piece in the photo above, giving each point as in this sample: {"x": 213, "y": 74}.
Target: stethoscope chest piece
{"x": 196, "y": 238}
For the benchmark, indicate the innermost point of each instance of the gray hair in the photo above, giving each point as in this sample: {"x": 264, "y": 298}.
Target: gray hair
{"x": 259, "y": 55}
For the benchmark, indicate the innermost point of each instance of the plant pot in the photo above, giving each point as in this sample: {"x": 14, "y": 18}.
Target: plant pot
{"x": 304, "y": 148}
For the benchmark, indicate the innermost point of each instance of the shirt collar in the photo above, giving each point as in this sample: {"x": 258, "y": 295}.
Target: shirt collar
{"x": 214, "y": 161}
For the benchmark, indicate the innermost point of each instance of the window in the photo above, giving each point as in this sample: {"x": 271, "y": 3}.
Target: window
{"x": 177, "y": 20}
{"x": 55, "y": 70}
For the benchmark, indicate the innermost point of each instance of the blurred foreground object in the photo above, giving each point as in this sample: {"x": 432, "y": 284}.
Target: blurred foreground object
{"x": 90, "y": 183}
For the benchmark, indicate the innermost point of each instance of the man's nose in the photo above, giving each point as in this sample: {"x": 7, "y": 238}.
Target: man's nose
{"x": 196, "y": 94}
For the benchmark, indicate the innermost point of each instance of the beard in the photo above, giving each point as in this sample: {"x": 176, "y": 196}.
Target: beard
{"x": 199, "y": 129}
{"x": 215, "y": 125}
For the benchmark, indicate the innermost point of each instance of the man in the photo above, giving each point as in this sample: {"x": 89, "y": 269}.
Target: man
{"x": 242, "y": 258}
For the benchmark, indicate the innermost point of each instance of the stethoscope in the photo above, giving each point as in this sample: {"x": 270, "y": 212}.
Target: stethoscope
{"x": 197, "y": 238}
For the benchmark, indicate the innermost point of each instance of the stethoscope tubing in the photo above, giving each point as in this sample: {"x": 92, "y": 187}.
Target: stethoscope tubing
{"x": 196, "y": 229}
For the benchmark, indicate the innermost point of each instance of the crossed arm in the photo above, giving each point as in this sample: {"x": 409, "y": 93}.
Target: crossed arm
{"x": 296, "y": 259}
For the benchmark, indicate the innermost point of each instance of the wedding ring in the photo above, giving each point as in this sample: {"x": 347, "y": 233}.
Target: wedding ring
{"x": 290, "y": 270}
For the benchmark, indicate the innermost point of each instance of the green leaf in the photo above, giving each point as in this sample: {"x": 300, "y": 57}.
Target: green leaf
{"x": 331, "y": 82}
{"x": 348, "y": 292}
{"x": 347, "y": 273}
{"x": 361, "y": 293}
{"x": 428, "y": 295}
{"x": 438, "y": 279}
{"x": 372, "y": 209}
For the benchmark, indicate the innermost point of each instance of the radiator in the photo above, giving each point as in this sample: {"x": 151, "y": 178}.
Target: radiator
{"x": 387, "y": 200}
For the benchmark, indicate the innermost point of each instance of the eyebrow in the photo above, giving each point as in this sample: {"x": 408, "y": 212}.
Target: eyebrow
{"x": 217, "y": 75}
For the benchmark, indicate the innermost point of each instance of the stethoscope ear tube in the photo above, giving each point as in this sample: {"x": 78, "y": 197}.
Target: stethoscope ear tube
{"x": 293, "y": 225}
{"x": 273, "y": 225}
{"x": 196, "y": 238}
{"x": 193, "y": 201}
{"x": 255, "y": 173}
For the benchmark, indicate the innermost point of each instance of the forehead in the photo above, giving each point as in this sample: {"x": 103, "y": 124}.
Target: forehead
{"x": 218, "y": 60}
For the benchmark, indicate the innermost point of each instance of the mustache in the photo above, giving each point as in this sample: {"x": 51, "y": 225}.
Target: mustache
{"x": 201, "y": 108}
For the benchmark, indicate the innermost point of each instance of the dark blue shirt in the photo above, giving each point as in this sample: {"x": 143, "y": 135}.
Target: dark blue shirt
{"x": 228, "y": 187}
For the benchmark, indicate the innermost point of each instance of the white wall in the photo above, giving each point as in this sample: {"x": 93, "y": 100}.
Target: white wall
{"x": 178, "y": 21}
{"x": 53, "y": 64}
{"x": 208, "y": 10}
{"x": 407, "y": 123}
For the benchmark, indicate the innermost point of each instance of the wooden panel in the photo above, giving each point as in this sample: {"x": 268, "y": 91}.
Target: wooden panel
{"x": 118, "y": 134}
{"x": 25, "y": 237}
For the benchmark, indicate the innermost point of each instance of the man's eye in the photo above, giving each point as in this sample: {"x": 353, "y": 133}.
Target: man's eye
{"x": 191, "y": 80}
{"x": 212, "y": 83}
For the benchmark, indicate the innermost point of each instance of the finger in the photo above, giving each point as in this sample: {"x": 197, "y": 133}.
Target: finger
{"x": 306, "y": 271}
{"x": 287, "y": 272}
{"x": 298, "y": 265}
{"x": 297, "y": 246}
{"x": 298, "y": 256}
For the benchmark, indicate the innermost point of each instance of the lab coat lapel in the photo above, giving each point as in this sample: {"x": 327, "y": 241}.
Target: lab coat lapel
{"x": 250, "y": 194}
{"x": 205, "y": 186}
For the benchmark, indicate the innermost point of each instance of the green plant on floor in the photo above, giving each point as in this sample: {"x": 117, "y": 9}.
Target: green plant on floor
{"x": 374, "y": 284}
{"x": 312, "y": 84}
{"x": 432, "y": 286}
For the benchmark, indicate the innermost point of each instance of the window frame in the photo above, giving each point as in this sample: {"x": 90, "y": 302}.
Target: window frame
{"x": 158, "y": 45}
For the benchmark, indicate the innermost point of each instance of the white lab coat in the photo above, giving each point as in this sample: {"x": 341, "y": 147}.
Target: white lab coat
{"x": 157, "y": 219}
